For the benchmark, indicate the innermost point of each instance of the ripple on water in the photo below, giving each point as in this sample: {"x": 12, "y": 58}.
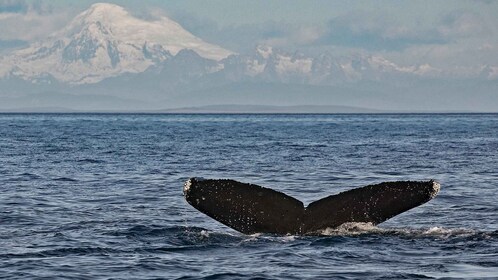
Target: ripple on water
{"x": 99, "y": 196}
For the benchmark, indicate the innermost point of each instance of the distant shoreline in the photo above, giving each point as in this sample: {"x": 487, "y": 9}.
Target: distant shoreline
{"x": 241, "y": 110}
{"x": 232, "y": 113}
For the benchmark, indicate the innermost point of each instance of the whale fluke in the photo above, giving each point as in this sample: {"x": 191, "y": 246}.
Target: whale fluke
{"x": 250, "y": 208}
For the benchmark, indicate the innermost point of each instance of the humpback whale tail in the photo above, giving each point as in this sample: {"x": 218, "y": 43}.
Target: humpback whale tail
{"x": 250, "y": 208}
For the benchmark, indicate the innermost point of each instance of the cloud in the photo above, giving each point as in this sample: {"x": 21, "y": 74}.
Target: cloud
{"x": 470, "y": 43}
{"x": 487, "y": 2}
{"x": 13, "y": 7}
{"x": 463, "y": 24}
{"x": 11, "y": 44}
{"x": 371, "y": 32}
{"x": 239, "y": 38}
{"x": 6, "y": 46}
{"x": 20, "y": 21}
{"x": 244, "y": 37}
{"x": 451, "y": 38}
{"x": 377, "y": 33}
{"x": 249, "y": 35}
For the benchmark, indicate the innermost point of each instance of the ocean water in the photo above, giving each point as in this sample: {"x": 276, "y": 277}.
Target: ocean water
{"x": 99, "y": 196}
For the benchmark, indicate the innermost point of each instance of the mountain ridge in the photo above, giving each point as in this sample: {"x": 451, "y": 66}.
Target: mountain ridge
{"x": 241, "y": 109}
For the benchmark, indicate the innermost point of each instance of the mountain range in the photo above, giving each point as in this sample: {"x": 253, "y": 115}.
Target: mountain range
{"x": 107, "y": 59}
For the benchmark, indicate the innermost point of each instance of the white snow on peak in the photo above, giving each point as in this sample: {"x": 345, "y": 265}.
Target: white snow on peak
{"x": 103, "y": 12}
{"x": 163, "y": 31}
{"x": 286, "y": 64}
{"x": 264, "y": 51}
{"x": 283, "y": 64}
{"x": 493, "y": 73}
{"x": 426, "y": 70}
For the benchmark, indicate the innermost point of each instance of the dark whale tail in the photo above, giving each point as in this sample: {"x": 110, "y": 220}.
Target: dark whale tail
{"x": 252, "y": 209}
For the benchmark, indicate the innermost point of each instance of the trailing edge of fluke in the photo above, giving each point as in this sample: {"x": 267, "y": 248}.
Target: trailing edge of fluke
{"x": 250, "y": 208}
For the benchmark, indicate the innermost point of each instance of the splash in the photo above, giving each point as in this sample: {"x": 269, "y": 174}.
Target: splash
{"x": 446, "y": 232}
{"x": 348, "y": 229}
{"x": 355, "y": 229}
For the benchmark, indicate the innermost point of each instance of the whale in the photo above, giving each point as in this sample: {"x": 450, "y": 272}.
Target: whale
{"x": 250, "y": 208}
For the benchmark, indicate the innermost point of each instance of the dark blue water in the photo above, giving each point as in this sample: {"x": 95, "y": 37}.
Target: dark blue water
{"x": 100, "y": 196}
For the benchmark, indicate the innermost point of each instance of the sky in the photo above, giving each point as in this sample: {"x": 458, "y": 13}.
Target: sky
{"x": 443, "y": 33}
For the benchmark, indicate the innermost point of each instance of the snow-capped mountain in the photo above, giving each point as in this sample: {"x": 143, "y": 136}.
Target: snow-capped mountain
{"x": 273, "y": 65}
{"x": 101, "y": 42}
{"x": 113, "y": 58}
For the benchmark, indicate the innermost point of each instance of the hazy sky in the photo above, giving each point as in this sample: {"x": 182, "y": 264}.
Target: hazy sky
{"x": 443, "y": 33}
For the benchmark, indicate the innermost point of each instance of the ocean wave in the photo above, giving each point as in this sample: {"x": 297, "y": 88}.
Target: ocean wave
{"x": 189, "y": 235}
{"x": 64, "y": 179}
{"x": 61, "y": 252}
{"x": 90, "y": 160}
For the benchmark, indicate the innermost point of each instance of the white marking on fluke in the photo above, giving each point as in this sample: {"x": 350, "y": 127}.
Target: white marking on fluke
{"x": 189, "y": 182}
{"x": 186, "y": 186}
{"x": 435, "y": 189}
